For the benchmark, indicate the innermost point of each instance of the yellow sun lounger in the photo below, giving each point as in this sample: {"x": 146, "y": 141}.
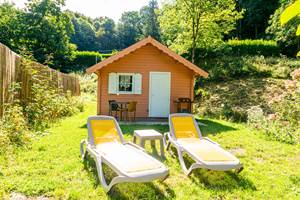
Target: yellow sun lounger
{"x": 186, "y": 136}
{"x": 106, "y": 144}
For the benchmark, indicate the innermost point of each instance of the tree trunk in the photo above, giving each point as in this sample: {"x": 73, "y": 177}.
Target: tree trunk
{"x": 193, "y": 52}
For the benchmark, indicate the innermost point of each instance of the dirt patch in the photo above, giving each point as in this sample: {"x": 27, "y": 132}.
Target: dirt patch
{"x": 18, "y": 196}
{"x": 238, "y": 151}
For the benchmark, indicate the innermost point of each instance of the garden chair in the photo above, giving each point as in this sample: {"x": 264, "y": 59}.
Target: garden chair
{"x": 113, "y": 107}
{"x": 186, "y": 137}
{"x": 130, "y": 162}
{"x": 131, "y": 108}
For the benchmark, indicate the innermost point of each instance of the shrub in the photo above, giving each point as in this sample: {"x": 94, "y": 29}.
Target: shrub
{"x": 236, "y": 48}
{"x": 85, "y": 59}
{"x": 228, "y": 68}
{"x": 88, "y": 83}
{"x": 34, "y": 114}
{"x": 13, "y": 125}
{"x": 283, "y": 124}
{"x": 253, "y": 47}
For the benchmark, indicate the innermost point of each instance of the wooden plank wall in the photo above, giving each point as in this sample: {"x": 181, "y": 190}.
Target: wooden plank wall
{"x": 12, "y": 71}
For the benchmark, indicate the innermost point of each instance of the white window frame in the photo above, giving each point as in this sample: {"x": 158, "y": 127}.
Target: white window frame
{"x": 133, "y": 83}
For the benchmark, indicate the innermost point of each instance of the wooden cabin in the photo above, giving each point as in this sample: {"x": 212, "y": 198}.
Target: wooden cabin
{"x": 150, "y": 74}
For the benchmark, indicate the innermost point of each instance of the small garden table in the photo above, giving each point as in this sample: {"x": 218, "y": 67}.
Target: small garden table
{"x": 151, "y": 135}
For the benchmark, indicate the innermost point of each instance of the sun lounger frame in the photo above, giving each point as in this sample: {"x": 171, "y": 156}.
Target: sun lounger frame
{"x": 88, "y": 146}
{"x": 170, "y": 139}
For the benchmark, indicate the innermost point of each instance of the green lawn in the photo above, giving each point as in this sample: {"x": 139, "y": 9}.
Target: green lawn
{"x": 52, "y": 168}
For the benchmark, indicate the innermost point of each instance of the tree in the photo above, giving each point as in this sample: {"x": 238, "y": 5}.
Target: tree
{"x": 10, "y": 26}
{"x": 129, "y": 28}
{"x": 256, "y": 16}
{"x": 106, "y": 35}
{"x": 149, "y": 20}
{"x": 84, "y": 32}
{"x": 190, "y": 24}
{"x": 47, "y": 32}
{"x": 284, "y": 35}
{"x": 290, "y": 13}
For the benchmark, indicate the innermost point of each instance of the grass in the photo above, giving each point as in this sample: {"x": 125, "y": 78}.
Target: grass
{"x": 52, "y": 167}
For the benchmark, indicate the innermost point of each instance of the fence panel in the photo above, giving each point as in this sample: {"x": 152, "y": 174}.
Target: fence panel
{"x": 12, "y": 71}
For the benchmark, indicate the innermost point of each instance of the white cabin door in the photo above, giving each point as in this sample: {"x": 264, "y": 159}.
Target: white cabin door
{"x": 159, "y": 94}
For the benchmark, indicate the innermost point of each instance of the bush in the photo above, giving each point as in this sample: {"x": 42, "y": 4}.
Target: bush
{"x": 85, "y": 59}
{"x": 236, "y": 48}
{"x": 226, "y": 68}
{"x": 44, "y": 105}
{"x": 283, "y": 124}
{"x": 253, "y": 47}
{"x": 13, "y": 125}
{"x": 88, "y": 83}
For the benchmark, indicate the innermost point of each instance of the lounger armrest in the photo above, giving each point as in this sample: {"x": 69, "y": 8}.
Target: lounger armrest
{"x": 206, "y": 138}
{"x": 172, "y": 140}
{"x": 134, "y": 145}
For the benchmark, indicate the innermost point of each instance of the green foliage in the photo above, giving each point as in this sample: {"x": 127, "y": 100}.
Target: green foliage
{"x": 84, "y": 59}
{"x": 255, "y": 19}
{"x": 292, "y": 12}
{"x": 13, "y": 125}
{"x": 84, "y": 35}
{"x": 129, "y": 28}
{"x": 47, "y": 29}
{"x": 253, "y": 47}
{"x": 88, "y": 84}
{"x": 150, "y": 25}
{"x": 9, "y": 27}
{"x": 106, "y": 34}
{"x": 42, "y": 170}
{"x": 45, "y": 105}
{"x": 187, "y": 25}
{"x": 234, "y": 48}
{"x": 285, "y": 36}
{"x": 224, "y": 68}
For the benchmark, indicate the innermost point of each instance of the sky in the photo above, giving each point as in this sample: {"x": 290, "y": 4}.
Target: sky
{"x": 97, "y": 8}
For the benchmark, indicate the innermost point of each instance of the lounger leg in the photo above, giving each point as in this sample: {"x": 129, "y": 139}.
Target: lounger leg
{"x": 142, "y": 143}
{"x": 166, "y": 141}
{"x": 162, "y": 150}
{"x": 114, "y": 181}
{"x": 239, "y": 169}
{"x": 82, "y": 151}
{"x": 183, "y": 166}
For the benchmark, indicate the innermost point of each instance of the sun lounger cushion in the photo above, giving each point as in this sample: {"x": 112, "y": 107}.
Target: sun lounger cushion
{"x": 127, "y": 158}
{"x": 184, "y": 127}
{"x": 104, "y": 131}
{"x": 205, "y": 150}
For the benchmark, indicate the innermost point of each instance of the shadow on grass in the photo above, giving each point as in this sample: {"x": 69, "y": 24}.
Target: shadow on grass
{"x": 213, "y": 127}
{"x": 127, "y": 190}
{"x": 217, "y": 180}
{"x": 84, "y": 126}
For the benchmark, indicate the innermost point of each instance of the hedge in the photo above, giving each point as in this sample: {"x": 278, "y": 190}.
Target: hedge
{"x": 84, "y": 59}
{"x": 253, "y": 47}
{"x": 265, "y": 48}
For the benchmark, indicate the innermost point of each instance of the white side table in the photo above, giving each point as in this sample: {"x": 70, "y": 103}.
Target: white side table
{"x": 151, "y": 135}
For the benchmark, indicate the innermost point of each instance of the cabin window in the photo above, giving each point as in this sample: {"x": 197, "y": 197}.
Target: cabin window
{"x": 125, "y": 83}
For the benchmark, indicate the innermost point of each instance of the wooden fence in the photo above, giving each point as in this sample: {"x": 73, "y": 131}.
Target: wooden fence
{"x": 13, "y": 71}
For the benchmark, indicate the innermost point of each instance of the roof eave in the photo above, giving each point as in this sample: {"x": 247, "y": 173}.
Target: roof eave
{"x": 138, "y": 45}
